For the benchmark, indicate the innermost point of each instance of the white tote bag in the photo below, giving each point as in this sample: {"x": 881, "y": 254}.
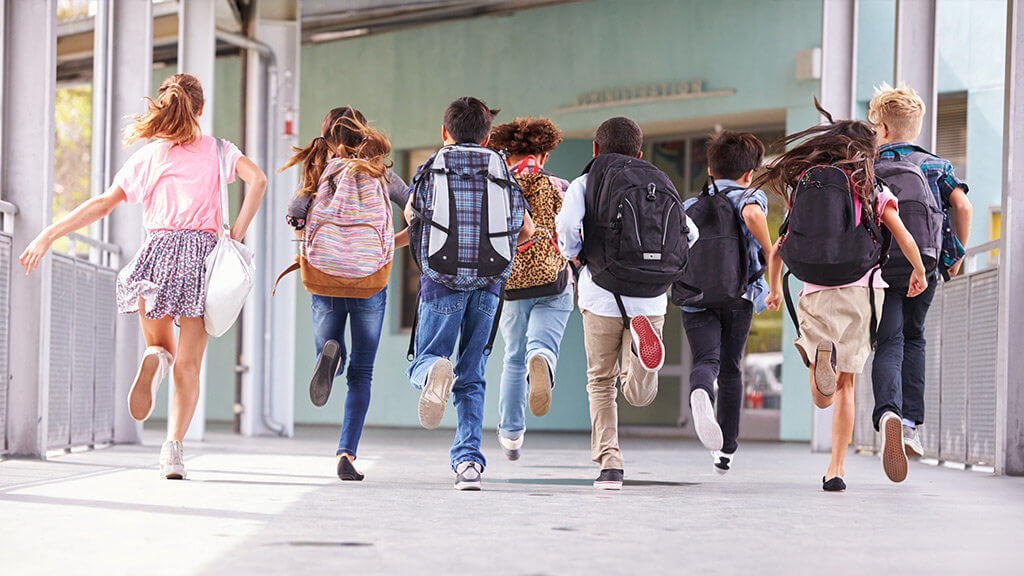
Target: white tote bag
{"x": 230, "y": 272}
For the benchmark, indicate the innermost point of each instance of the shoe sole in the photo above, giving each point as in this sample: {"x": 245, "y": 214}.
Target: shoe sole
{"x": 140, "y": 397}
{"x": 540, "y": 386}
{"x": 439, "y": 383}
{"x": 824, "y": 375}
{"x": 323, "y": 375}
{"x": 468, "y": 486}
{"x": 894, "y": 459}
{"x": 649, "y": 347}
{"x": 512, "y": 455}
{"x": 721, "y": 472}
{"x": 705, "y": 424}
{"x": 174, "y": 475}
{"x": 608, "y": 485}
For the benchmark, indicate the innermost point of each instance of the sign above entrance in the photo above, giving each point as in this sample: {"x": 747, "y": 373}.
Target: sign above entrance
{"x": 643, "y": 95}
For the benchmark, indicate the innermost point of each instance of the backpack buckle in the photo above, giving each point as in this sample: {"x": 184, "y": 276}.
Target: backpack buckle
{"x": 651, "y": 188}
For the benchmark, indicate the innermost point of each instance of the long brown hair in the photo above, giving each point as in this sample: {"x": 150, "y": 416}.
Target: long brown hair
{"x": 346, "y": 134}
{"x": 846, "y": 144}
{"x": 173, "y": 115}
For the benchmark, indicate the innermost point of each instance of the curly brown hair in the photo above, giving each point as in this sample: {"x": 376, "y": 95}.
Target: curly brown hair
{"x": 526, "y": 136}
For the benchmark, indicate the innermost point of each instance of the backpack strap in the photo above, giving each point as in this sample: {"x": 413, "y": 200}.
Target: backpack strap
{"x": 410, "y": 355}
{"x": 873, "y": 329}
{"x": 286, "y": 272}
{"x": 495, "y": 323}
{"x": 789, "y": 301}
{"x": 622, "y": 310}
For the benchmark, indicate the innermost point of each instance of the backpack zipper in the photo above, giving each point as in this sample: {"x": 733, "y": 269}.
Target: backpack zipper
{"x": 664, "y": 233}
{"x": 636, "y": 223}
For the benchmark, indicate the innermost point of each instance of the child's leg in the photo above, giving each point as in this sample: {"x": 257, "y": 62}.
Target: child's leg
{"x": 915, "y": 310}
{"x": 512, "y": 394}
{"x": 842, "y": 424}
{"x": 887, "y": 367}
{"x": 639, "y": 386}
{"x": 468, "y": 389}
{"x": 547, "y": 326}
{"x": 329, "y": 317}
{"x": 735, "y": 328}
{"x": 191, "y": 345}
{"x": 367, "y": 320}
{"x": 602, "y": 339}
{"x": 704, "y": 335}
{"x": 436, "y": 334}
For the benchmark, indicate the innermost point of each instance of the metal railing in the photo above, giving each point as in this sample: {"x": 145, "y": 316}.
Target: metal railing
{"x": 7, "y": 213}
{"x": 961, "y": 331}
{"x": 83, "y": 317}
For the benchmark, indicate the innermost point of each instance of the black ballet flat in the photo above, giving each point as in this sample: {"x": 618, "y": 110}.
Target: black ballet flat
{"x": 347, "y": 471}
{"x": 834, "y": 485}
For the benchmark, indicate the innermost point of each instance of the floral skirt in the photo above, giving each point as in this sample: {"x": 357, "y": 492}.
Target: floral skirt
{"x": 168, "y": 273}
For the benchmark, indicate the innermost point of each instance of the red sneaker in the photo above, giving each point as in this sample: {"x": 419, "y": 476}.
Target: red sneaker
{"x": 647, "y": 344}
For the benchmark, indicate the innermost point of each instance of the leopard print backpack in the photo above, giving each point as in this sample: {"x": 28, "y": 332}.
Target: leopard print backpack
{"x": 538, "y": 268}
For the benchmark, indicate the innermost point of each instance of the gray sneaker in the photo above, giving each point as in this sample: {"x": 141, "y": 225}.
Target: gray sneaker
{"x": 511, "y": 447}
{"x": 172, "y": 461}
{"x": 467, "y": 475}
{"x": 434, "y": 396}
{"x": 912, "y": 442}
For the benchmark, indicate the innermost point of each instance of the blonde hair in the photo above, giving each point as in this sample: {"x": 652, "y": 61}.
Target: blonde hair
{"x": 173, "y": 115}
{"x": 901, "y": 110}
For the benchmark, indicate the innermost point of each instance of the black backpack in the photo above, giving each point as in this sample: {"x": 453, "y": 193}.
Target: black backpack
{"x": 819, "y": 240}
{"x": 919, "y": 212}
{"x": 717, "y": 266}
{"x": 634, "y": 227}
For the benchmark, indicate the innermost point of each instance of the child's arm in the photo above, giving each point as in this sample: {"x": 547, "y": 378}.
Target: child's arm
{"x": 93, "y": 209}
{"x": 408, "y": 210}
{"x": 402, "y": 239}
{"x": 526, "y": 232}
{"x": 252, "y": 175}
{"x": 962, "y": 212}
{"x": 774, "y": 277}
{"x": 756, "y": 221}
{"x": 891, "y": 220}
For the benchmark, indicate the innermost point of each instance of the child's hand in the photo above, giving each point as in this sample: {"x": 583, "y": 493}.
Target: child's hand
{"x": 918, "y": 283}
{"x": 773, "y": 300}
{"x": 35, "y": 251}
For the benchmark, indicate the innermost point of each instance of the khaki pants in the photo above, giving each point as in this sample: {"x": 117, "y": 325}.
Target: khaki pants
{"x": 606, "y": 341}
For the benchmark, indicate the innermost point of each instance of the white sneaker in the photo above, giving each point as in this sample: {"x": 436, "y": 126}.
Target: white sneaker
{"x": 434, "y": 396}
{"x": 152, "y": 371}
{"x": 704, "y": 421}
{"x": 894, "y": 459}
{"x": 172, "y": 461}
{"x": 467, "y": 475}
{"x": 721, "y": 461}
{"x": 511, "y": 447}
{"x": 912, "y": 442}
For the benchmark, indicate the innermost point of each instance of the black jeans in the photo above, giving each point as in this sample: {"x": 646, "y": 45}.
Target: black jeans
{"x": 897, "y": 373}
{"x": 717, "y": 338}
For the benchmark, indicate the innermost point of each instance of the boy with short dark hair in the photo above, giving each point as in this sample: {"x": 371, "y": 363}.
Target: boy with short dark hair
{"x": 717, "y": 333}
{"x": 606, "y": 339}
{"x": 457, "y": 199}
{"x": 897, "y": 373}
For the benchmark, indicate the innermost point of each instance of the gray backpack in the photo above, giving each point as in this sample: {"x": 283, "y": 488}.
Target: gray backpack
{"x": 919, "y": 211}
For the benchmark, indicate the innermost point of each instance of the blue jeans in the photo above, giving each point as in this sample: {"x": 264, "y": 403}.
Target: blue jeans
{"x": 897, "y": 373}
{"x": 465, "y": 317}
{"x": 329, "y": 317}
{"x": 529, "y": 327}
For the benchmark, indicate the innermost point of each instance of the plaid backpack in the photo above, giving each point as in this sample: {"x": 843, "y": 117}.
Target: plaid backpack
{"x": 468, "y": 210}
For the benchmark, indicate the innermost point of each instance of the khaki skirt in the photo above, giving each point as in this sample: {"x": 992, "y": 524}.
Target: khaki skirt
{"x": 842, "y": 316}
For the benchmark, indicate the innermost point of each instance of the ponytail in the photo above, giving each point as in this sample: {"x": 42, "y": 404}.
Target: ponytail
{"x": 314, "y": 159}
{"x": 172, "y": 116}
{"x": 372, "y": 154}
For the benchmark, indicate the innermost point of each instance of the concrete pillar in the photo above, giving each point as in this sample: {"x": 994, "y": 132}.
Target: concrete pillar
{"x": 916, "y": 61}
{"x": 197, "y": 51}
{"x": 29, "y": 85}
{"x": 1010, "y": 372}
{"x": 129, "y": 73}
{"x": 272, "y": 114}
{"x": 838, "y": 96}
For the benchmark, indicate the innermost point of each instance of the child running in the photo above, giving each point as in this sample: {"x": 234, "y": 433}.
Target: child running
{"x": 625, "y": 221}
{"x": 466, "y": 215}
{"x": 836, "y": 233}
{"x": 343, "y": 220}
{"x": 726, "y": 264}
{"x": 538, "y": 293}
{"x": 937, "y": 201}
{"x": 176, "y": 178}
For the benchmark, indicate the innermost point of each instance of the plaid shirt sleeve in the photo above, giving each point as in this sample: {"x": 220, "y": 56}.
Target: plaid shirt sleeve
{"x": 948, "y": 182}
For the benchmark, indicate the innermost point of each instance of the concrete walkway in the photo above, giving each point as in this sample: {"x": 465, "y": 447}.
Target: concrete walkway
{"x": 273, "y": 506}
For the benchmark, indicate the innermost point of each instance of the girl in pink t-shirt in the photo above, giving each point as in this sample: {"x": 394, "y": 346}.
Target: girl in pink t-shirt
{"x": 835, "y": 321}
{"x": 176, "y": 178}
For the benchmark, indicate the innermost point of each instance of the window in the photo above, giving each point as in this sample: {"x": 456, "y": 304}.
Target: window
{"x": 410, "y": 274}
{"x": 951, "y": 131}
